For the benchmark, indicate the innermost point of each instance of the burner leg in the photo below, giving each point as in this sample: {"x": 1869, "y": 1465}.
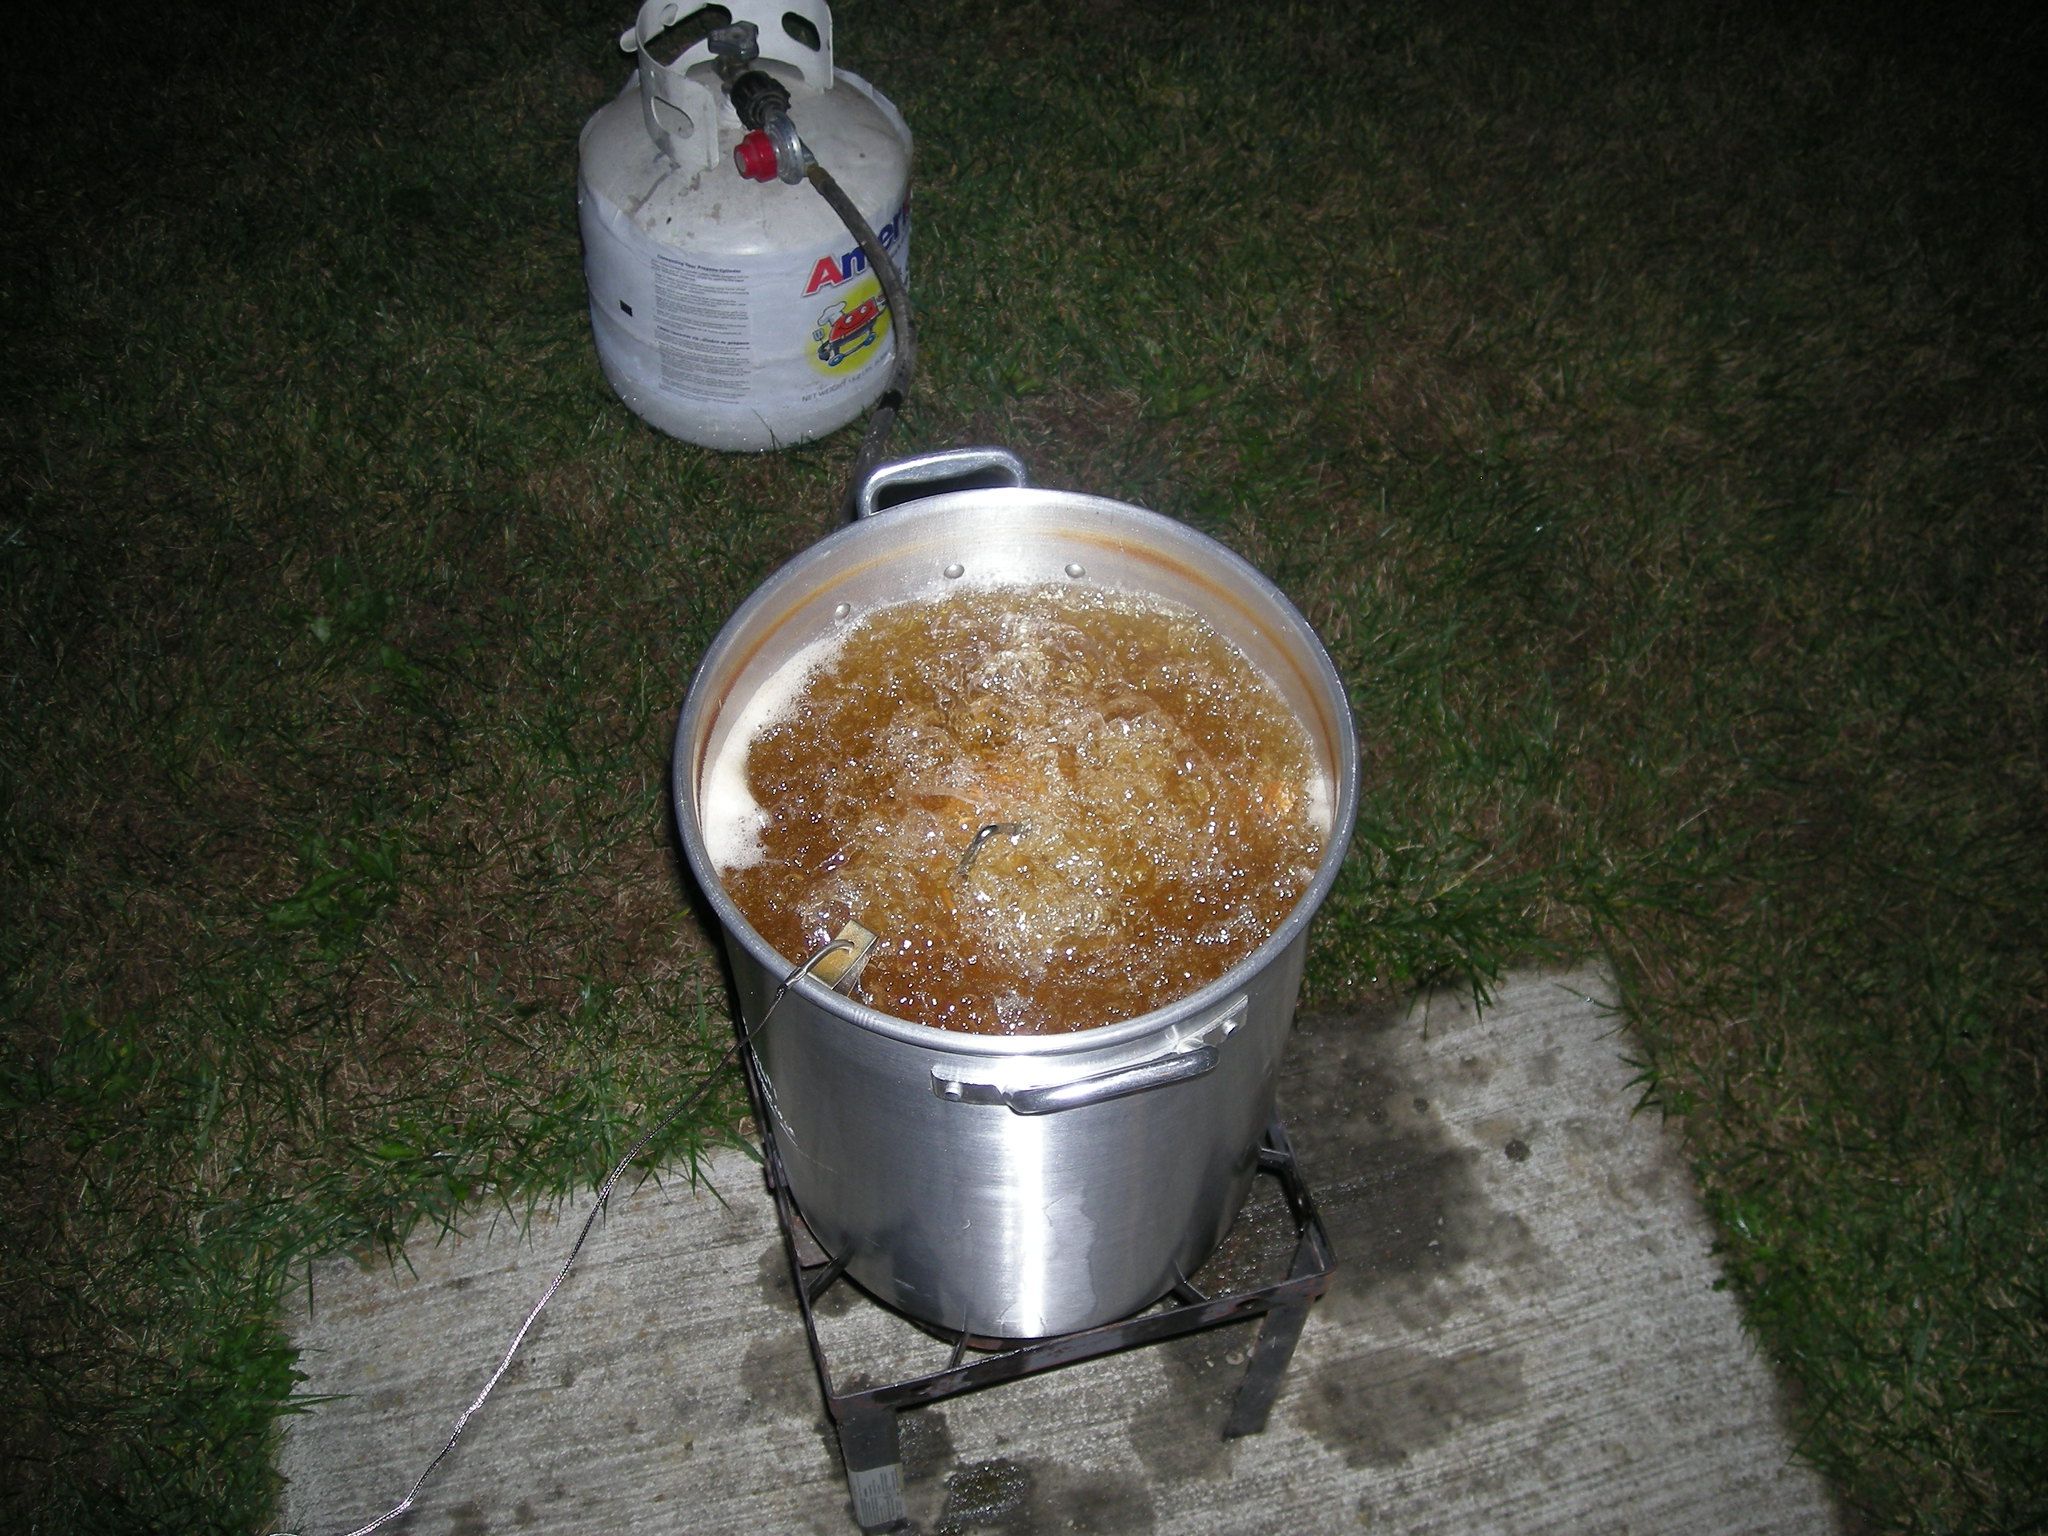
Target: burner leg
{"x": 1261, "y": 1385}
{"x": 874, "y": 1466}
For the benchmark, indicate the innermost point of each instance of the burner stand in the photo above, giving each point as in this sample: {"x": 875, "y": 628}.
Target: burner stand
{"x": 866, "y": 1419}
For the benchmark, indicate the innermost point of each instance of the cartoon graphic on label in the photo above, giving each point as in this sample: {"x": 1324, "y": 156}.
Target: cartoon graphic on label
{"x": 843, "y": 332}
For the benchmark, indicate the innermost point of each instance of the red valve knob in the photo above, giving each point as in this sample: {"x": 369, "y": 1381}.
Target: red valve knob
{"x": 754, "y": 157}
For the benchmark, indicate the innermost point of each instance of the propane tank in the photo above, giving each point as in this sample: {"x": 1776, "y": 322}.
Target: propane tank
{"x": 734, "y": 312}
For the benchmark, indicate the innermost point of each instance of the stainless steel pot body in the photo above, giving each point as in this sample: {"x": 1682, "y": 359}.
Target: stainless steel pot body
{"x": 1016, "y": 1187}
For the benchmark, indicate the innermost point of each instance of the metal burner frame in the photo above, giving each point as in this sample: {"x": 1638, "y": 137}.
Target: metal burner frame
{"x": 866, "y": 1419}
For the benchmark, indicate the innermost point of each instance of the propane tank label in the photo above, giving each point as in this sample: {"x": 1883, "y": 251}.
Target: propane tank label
{"x": 850, "y": 329}
{"x": 853, "y": 318}
{"x": 702, "y": 320}
{"x": 718, "y": 327}
{"x": 795, "y": 328}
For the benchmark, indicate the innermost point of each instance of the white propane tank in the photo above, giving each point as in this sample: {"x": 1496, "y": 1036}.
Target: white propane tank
{"x": 733, "y": 313}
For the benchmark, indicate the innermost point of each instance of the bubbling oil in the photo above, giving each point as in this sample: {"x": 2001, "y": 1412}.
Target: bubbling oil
{"x": 1058, "y": 807}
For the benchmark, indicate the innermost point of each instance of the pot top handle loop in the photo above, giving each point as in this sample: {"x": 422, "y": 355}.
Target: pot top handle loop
{"x": 943, "y": 470}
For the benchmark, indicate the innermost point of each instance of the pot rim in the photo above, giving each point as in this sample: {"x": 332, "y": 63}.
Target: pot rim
{"x": 685, "y": 770}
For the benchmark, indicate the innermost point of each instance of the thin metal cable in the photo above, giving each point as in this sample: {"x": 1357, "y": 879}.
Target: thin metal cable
{"x": 880, "y": 421}
{"x": 604, "y": 1194}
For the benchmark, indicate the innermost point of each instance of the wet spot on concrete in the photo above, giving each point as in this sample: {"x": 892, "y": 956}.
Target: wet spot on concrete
{"x": 1517, "y": 1150}
{"x": 1659, "y": 1180}
{"x": 467, "y": 1519}
{"x": 1028, "y": 1498}
{"x": 1104, "y": 1505}
{"x": 925, "y": 1441}
{"x": 1401, "y": 1198}
{"x": 1177, "y": 1430}
{"x": 778, "y": 1376}
{"x": 779, "y": 1291}
{"x": 1176, "y": 1427}
{"x": 686, "y": 1405}
{"x": 986, "y": 1495}
{"x": 523, "y": 1513}
{"x": 1377, "y": 1410}
{"x": 781, "y": 1382}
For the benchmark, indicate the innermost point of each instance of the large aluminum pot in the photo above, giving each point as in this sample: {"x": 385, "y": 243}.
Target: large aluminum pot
{"x": 1015, "y": 1187}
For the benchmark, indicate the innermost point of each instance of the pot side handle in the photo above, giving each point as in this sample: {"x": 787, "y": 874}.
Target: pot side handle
{"x": 945, "y": 466}
{"x": 1050, "y": 1099}
{"x": 1192, "y": 1049}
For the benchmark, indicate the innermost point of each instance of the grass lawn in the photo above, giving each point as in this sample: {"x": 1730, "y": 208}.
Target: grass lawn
{"x": 1645, "y": 402}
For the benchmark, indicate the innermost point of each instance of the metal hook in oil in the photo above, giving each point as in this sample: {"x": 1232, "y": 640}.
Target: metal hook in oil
{"x": 993, "y": 829}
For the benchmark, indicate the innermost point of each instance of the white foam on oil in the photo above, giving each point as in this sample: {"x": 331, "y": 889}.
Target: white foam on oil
{"x": 1322, "y": 815}
{"x": 730, "y": 818}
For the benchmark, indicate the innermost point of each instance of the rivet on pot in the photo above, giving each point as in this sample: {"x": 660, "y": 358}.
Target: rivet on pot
{"x": 955, "y": 571}
{"x": 1076, "y": 570}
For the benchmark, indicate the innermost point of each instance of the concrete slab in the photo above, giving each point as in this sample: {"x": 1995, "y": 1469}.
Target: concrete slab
{"x": 1524, "y": 1338}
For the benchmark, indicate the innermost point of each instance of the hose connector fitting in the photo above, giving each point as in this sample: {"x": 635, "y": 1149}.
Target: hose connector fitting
{"x": 773, "y": 149}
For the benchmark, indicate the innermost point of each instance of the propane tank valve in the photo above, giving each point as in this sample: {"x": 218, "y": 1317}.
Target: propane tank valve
{"x": 772, "y": 146}
{"x": 734, "y": 46}
{"x": 757, "y": 96}
{"x": 774, "y": 149}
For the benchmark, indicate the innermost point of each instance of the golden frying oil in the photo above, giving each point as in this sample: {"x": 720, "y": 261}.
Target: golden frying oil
{"x": 1156, "y": 807}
